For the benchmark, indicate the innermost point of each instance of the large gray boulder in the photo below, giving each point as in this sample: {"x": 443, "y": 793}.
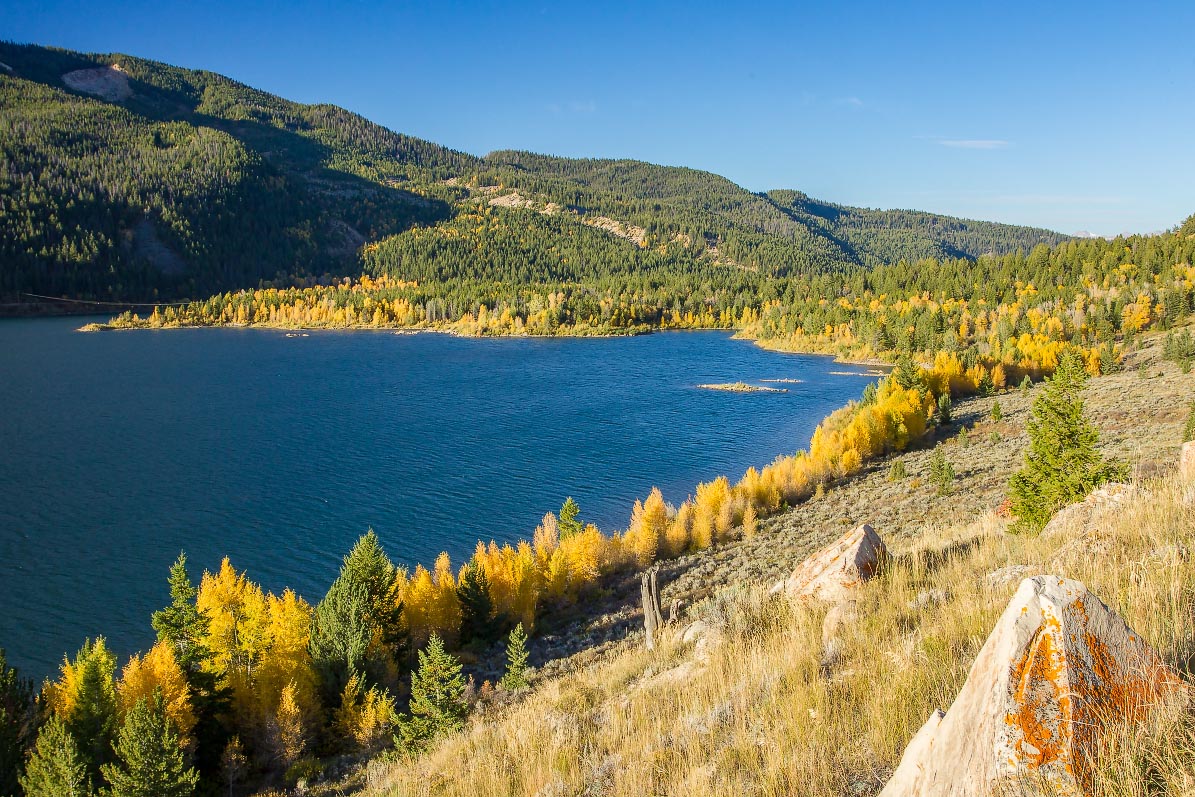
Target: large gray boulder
{"x": 835, "y": 573}
{"x": 1058, "y": 665}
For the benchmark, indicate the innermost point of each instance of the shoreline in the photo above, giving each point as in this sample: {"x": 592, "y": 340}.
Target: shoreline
{"x": 873, "y": 362}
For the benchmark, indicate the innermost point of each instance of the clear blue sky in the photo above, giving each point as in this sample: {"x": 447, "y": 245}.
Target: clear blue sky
{"x": 1061, "y": 114}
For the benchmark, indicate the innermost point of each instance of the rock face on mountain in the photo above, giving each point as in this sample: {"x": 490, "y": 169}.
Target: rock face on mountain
{"x": 835, "y": 573}
{"x": 1057, "y": 666}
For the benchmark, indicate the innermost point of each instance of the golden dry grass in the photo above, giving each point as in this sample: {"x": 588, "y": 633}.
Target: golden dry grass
{"x": 763, "y": 717}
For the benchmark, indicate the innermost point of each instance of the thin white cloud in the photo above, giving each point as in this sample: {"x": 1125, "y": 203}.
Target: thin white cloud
{"x": 854, "y": 102}
{"x": 974, "y": 143}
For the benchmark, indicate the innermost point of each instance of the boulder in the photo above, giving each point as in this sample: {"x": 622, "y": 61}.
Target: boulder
{"x": 1006, "y": 575}
{"x": 1080, "y": 517}
{"x": 835, "y": 573}
{"x": 1186, "y": 462}
{"x": 1057, "y": 666}
{"x": 704, "y": 638}
{"x": 839, "y": 617}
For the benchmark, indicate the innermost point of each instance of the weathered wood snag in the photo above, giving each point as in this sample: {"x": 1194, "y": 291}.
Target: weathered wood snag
{"x": 649, "y": 590}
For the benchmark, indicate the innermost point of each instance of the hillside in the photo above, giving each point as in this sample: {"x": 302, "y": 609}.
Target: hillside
{"x": 131, "y": 180}
{"x": 754, "y": 707}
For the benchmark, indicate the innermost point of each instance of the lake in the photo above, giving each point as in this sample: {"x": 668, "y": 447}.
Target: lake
{"x": 119, "y": 449}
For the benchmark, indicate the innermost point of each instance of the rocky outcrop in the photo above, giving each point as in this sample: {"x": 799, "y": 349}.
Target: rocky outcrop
{"x": 1079, "y": 517}
{"x": 834, "y": 574}
{"x": 106, "y": 82}
{"x": 1057, "y": 667}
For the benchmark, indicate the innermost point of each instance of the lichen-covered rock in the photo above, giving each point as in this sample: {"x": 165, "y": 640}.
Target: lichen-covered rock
{"x": 1058, "y": 665}
{"x": 835, "y": 573}
{"x": 1079, "y": 517}
{"x": 1006, "y": 575}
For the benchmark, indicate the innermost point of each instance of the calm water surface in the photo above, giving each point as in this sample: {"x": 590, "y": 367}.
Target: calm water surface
{"x": 118, "y": 450}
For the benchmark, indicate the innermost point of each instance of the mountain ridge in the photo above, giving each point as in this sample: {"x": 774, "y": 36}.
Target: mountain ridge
{"x": 135, "y": 180}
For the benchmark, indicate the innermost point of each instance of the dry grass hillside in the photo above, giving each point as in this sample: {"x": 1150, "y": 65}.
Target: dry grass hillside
{"x": 756, "y": 708}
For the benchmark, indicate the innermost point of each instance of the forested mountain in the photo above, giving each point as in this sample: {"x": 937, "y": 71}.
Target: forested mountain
{"x": 126, "y": 179}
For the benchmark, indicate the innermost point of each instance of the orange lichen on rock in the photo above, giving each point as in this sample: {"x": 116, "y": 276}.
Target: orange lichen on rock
{"x": 1058, "y": 667}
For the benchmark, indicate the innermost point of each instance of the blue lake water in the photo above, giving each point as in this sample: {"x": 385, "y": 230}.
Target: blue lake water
{"x": 117, "y": 450}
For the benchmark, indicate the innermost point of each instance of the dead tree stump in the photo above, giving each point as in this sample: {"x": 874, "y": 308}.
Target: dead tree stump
{"x": 649, "y": 590}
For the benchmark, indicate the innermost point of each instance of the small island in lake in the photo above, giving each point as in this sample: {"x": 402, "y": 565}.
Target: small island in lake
{"x": 742, "y": 387}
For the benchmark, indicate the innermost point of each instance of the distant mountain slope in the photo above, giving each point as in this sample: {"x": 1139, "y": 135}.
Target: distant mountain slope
{"x": 147, "y": 178}
{"x": 128, "y": 179}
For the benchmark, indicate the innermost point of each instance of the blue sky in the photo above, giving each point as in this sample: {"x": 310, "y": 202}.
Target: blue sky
{"x": 1065, "y": 115}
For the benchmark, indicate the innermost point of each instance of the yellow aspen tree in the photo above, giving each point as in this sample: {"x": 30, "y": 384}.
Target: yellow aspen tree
{"x": 159, "y": 669}
{"x": 289, "y": 727}
{"x": 750, "y": 521}
{"x": 418, "y": 605}
{"x": 446, "y": 611}
{"x": 676, "y": 537}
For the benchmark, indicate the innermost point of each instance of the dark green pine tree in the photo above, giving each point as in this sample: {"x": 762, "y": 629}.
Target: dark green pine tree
{"x": 438, "y": 704}
{"x": 149, "y": 760}
{"x": 1062, "y": 464}
{"x": 941, "y": 472}
{"x": 340, "y": 636}
{"x": 56, "y": 768}
{"x": 516, "y": 660}
{"x": 17, "y": 724}
{"x": 477, "y": 610}
{"x": 360, "y": 606}
{"x": 568, "y": 525}
{"x": 92, "y": 719}
{"x": 181, "y": 623}
{"x": 185, "y": 627}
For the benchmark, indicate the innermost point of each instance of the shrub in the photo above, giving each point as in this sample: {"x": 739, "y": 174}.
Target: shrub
{"x": 997, "y": 413}
{"x": 897, "y": 471}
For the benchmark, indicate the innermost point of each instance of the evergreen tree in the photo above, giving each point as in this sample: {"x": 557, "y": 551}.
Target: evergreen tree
{"x": 340, "y": 636}
{"x": 17, "y": 720}
{"x": 57, "y": 768}
{"x": 183, "y": 626}
{"x": 908, "y": 373}
{"x": 941, "y": 472}
{"x": 1062, "y": 464}
{"x": 944, "y": 408}
{"x": 86, "y": 700}
{"x": 357, "y": 627}
{"x": 149, "y": 760}
{"x": 568, "y": 524}
{"x": 997, "y": 413}
{"x": 438, "y": 703}
{"x": 477, "y": 608}
{"x": 181, "y": 623}
{"x": 516, "y": 661}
